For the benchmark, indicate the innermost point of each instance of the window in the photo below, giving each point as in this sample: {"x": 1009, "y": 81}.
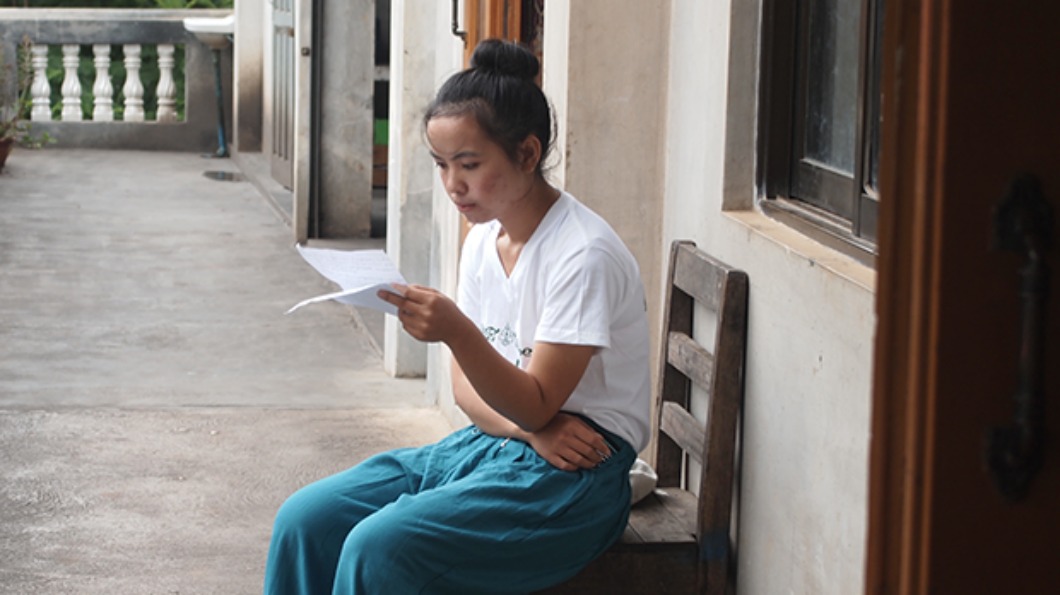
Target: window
{"x": 819, "y": 122}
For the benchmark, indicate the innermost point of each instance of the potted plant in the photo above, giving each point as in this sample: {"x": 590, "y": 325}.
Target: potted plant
{"x": 15, "y": 107}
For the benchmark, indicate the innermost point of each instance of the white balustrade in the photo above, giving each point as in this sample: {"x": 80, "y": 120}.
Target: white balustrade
{"x": 71, "y": 88}
{"x": 167, "y": 90}
{"x": 133, "y": 89}
{"x": 102, "y": 90}
{"x": 41, "y": 89}
{"x": 103, "y": 86}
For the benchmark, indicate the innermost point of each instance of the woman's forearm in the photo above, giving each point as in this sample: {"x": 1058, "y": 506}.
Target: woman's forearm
{"x": 489, "y": 421}
{"x": 486, "y": 418}
{"x": 500, "y": 386}
{"x": 530, "y": 397}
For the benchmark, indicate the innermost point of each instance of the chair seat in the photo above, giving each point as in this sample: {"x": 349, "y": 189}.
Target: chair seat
{"x": 657, "y": 553}
{"x": 666, "y": 516}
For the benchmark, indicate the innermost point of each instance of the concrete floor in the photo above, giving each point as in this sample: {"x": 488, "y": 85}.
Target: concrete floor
{"x": 156, "y": 405}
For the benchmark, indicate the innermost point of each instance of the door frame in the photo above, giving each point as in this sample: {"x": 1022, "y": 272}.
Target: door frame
{"x": 953, "y": 72}
{"x": 906, "y": 266}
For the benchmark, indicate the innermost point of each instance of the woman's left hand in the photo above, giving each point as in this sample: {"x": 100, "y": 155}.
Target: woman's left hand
{"x": 568, "y": 443}
{"x": 427, "y": 314}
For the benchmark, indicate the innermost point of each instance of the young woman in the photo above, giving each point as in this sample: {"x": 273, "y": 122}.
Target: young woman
{"x": 550, "y": 362}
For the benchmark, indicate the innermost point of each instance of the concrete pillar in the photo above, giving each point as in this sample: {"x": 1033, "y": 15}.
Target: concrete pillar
{"x": 346, "y": 52}
{"x": 247, "y": 75}
{"x": 554, "y": 75}
{"x": 410, "y": 175}
{"x": 611, "y": 131}
{"x": 341, "y": 59}
{"x": 423, "y": 228}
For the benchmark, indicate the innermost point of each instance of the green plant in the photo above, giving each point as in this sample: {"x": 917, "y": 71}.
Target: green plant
{"x": 17, "y": 76}
{"x": 86, "y": 71}
{"x": 118, "y": 3}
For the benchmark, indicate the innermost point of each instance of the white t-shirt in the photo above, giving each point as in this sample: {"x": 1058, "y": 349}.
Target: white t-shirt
{"x": 575, "y": 282}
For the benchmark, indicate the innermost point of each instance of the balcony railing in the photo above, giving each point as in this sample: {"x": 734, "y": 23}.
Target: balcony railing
{"x": 118, "y": 116}
{"x": 102, "y": 87}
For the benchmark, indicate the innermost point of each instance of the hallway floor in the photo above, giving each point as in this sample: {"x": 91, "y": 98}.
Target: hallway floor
{"x": 156, "y": 405}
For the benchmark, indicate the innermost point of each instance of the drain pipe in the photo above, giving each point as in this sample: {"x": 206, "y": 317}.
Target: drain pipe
{"x": 222, "y": 144}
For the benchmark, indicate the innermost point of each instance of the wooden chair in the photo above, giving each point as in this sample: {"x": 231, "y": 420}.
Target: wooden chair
{"x": 677, "y": 542}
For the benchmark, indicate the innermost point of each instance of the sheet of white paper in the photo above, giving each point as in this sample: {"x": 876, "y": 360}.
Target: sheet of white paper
{"x": 360, "y": 274}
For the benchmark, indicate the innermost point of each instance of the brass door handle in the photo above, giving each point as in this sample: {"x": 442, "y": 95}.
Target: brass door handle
{"x": 1023, "y": 222}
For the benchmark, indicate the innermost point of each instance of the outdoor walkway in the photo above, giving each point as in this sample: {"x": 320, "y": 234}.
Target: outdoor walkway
{"x": 156, "y": 405}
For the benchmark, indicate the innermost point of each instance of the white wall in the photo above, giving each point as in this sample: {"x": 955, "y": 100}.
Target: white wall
{"x": 803, "y": 494}
{"x": 608, "y": 90}
{"x": 247, "y": 68}
{"x": 344, "y": 51}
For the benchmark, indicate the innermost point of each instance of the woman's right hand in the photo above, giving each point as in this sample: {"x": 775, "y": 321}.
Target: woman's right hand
{"x": 568, "y": 443}
{"x": 427, "y": 314}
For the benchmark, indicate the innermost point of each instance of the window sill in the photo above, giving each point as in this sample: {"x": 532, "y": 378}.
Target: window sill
{"x": 816, "y": 253}
{"x": 821, "y": 226}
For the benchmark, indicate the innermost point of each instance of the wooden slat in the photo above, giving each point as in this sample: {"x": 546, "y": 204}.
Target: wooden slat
{"x": 715, "y": 505}
{"x": 630, "y": 536}
{"x": 661, "y": 568}
{"x": 681, "y": 503}
{"x": 684, "y": 429}
{"x": 690, "y": 358}
{"x": 699, "y": 276}
{"x": 678, "y": 313}
{"x": 663, "y": 517}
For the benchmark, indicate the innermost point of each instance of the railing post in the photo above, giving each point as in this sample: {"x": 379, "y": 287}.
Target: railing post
{"x": 133, "y": 89}
{"x": 71, "y": 88}
{"x": 41, "y": 89}
{"x": 102, "y": 90}
{"x": 167, "y": 90}
{"x": 72, "y": 95}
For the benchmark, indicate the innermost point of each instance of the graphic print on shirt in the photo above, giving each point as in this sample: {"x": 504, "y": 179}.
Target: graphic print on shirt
{"x": 506, "y": 341}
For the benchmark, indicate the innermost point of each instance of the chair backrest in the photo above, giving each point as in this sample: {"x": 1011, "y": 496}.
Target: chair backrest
{"x": 681, "y": 440}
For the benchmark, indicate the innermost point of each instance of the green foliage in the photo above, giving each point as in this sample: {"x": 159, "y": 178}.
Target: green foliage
{"x": 149, "y": 73}
{"x": 172, "y": 4}
{"x": 15, "y": 113}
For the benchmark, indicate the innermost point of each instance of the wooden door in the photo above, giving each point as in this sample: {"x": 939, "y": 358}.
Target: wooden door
{"x": 518, "y": 20}
{"x": 970, "y": 98}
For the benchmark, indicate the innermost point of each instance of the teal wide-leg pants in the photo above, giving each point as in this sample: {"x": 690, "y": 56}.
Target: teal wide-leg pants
{"x": 470, "y": 514}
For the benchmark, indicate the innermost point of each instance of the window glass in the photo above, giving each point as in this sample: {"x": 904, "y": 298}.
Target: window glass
{"x": 876, "y": 66}
{"x": 832, "y": 82}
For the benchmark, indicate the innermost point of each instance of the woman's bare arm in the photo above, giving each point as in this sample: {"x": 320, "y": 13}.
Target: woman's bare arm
{"x": 567, "y": 442}
{"x": 531, "y": 397}
{"x": 482, "y": 415}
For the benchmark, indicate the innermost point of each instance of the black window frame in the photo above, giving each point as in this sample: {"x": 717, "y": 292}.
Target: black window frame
{"x": 837, "y": 209}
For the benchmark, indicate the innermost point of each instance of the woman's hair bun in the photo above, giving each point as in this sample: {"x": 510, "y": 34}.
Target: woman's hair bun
{"x": 505, "y": 58}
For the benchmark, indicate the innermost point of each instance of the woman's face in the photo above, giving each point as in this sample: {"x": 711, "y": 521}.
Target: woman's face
{"x": 480, "y": 178}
